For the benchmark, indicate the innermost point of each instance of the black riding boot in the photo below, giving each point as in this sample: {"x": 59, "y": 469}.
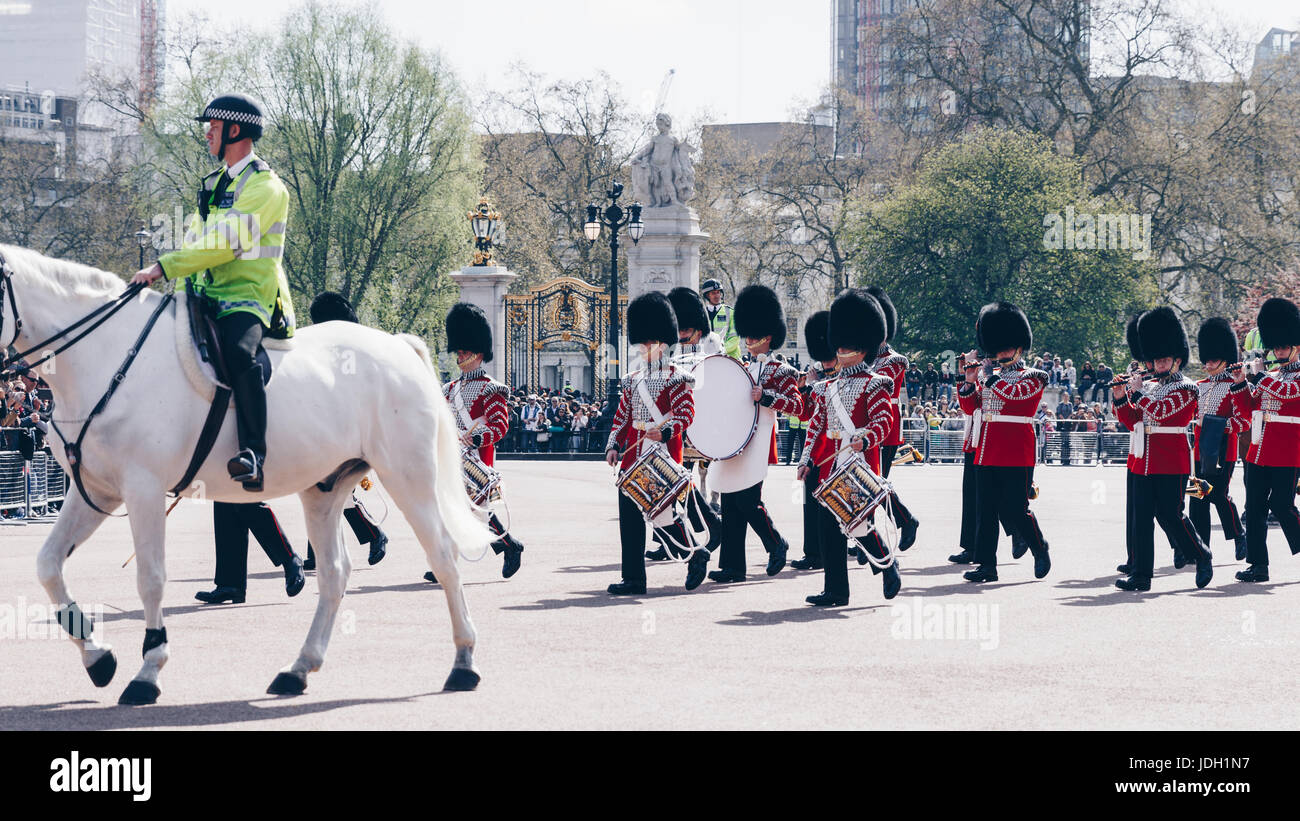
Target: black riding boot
{"x": 250, "y": 416}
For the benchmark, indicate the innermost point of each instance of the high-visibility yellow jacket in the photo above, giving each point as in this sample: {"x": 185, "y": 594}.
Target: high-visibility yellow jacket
{"x": 723, "y": 323}
{"x": 234, "y": 256}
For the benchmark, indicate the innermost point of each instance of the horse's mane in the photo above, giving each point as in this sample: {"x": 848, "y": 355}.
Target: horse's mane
{"x": 71, "y": 278}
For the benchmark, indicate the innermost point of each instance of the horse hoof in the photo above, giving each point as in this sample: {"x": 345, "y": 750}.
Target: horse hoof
{"x": 102, "y": 671}
{"x": 462, "y": 679}
{"x": 139, "y": 692}
{"x": 288, "y": 684}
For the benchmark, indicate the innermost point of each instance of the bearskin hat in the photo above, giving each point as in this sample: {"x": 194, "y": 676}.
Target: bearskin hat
{"x": 329, "y": 306}
{"x": 1216, "y": 340}
{"x": 886, "y": 305}
{"x": 650, "y": 318}
{"x": 1279, "y": 323}
{"x": 758, "y": 314}
{"x": 1002, "y": 326}
{"x": 689, "y": 308}
{"x": 1131, "y": 337}
{"x": 468, "y": 330}
{"x": 857, "y": 322}
{"x": 1161, "y": 334}
{"x": 816, "y": 335}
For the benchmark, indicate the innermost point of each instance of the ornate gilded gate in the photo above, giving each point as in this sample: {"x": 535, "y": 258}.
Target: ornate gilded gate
{"x": 565, "y": 315}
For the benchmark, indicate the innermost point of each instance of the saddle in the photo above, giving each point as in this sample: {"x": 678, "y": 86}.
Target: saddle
{"x": 202, "y": 312}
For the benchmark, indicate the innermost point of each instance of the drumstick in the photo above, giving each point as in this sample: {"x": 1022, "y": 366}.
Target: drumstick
{"x": 170, "y": 508}
{"x": 837, "y": 453}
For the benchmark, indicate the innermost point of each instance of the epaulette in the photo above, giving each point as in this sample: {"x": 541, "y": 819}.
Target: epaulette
{"x": 260, "y": 164}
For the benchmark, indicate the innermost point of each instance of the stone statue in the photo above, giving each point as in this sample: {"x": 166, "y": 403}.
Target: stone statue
{"x": 662, "y": 172}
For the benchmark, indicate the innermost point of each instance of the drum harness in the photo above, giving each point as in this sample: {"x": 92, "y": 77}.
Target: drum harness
{"x": 846, "y": 422}
{"x": 468, "y": 452}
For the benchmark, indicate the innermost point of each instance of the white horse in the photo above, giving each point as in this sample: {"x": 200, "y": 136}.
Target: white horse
{"x": 342, "y": 396}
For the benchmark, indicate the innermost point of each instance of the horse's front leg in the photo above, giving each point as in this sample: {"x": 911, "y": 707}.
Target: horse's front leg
{"x": 76, "y": 523}
{"x": 333, "y": 566}
{"x": 148, "y": 529}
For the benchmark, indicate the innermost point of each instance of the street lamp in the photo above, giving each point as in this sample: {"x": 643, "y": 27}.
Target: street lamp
{"x": 614, "y": 218}
{"x": 142, "y": 238}
{"x": 486, "y": 223}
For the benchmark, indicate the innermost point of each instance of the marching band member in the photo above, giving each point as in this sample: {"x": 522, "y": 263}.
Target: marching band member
{"x": 889, "y": 362}
{"x": 1274, "y": 454}
{"x": 1158, "y": 417}
{"x": 654, "y": 409}
{"x": 1222, "y": 412}
{"x": 760, "y": 322}
{"x": 694, "y": 342}
{"x": 1002, "y": 431}
{"x": 480, "y": 405}
{"x": 812, "y": 386}
{"x": 853, "y": 406}
{"x": 1137, "y": 365}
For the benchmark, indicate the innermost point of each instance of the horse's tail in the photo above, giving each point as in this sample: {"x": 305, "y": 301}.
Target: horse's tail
{"x": 456, "y": 514}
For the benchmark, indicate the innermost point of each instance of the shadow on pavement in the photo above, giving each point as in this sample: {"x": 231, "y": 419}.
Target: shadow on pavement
{"x": 971, "y": 587}
{"x": 795, "y": 615}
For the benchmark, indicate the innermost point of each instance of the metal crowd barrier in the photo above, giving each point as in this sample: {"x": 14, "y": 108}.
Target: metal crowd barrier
{"x": 28, "y": 489}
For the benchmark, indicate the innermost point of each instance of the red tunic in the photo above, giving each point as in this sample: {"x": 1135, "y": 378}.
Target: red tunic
{"x": 670, "y": 389}
{"x": 480, "y": 403}
{"x": 1013, "y": 391}
{"x": 818, "y": 447}
{"x": 780, "y": 384}
{"x": 1220, "y": 396}
{"x": 865, "y": 395}
{"x": 892, "y": 364}
{"x": 1168, "y": 402}
{"x": 1276, "y": 443}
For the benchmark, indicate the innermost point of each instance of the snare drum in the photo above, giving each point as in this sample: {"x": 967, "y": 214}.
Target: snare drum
{"x": 654, "y": 482}
{"x": 852, "y": 493}
{"x": 482, "y": 483}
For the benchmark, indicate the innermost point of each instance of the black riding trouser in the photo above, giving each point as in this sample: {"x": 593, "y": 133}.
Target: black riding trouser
{"x": 241, "y": 336}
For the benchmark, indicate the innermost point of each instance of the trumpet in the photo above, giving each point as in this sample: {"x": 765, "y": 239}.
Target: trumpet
{"x": 1198, "y": 487}
{"x": 907, "y": 453}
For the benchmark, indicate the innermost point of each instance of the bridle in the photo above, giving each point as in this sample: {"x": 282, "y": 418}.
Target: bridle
{"x": 102, "y": 313}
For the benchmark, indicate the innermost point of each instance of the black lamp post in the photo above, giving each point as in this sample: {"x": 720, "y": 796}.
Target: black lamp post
{"x": 142, "y": 238}
{"x": 614, "y": 218}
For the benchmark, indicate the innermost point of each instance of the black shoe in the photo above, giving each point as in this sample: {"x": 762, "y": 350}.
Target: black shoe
{"x": 907, "y": 534}
{"x": 1254, "y": 573}
{"x": 726, "y": 576}
{"x": 293, "y": 578}
{"x": 429, "y": 577}
{"x": 1134, "y": 583}
{"x": 776, "y": 559}
{"x": 1204, "y": 571}
{"x": 1018, "y": 546}
{"x": 1042, "y": 562}
{"x": 696, "y": 568}
{"x": 1124, "y": 568}
{"x": 513, "y": 555}
{"x": 626, "y": 589}
{"x": 964, "y": 557}
{"x": 858, "y": 553}
{"x": 245, "y": 467}
{"x": 805, "y": 564}
{"x": 981, "y": 574}
{"x": 892, "y": 583}
{"x": 1180, "y": 561}
{"x": 222, "y": 594}
{"x": 1241, "y": 548}
{"x": 378, "y": 550}
{"x": 660, "y": 555}
{"x": 827, "y": 600}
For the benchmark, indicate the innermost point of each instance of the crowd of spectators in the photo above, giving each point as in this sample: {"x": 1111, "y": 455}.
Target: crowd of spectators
{"x": 25, "y": 405}
{"x": 544, "y": 420}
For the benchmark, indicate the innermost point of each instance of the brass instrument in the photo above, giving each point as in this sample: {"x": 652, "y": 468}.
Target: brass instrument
{"x": 907, "y": 453}
{"x": 1115, "y": 383}
{"x": 1198, "y": 487}
{"x": 1033, "y": 490}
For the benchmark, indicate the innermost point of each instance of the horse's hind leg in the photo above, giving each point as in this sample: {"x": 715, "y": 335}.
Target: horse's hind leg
{"x": 333, "y": 566}
{"x": 76, "y": 522}
{"x": 419, "y": 505}
{"x": 148, "y": 529}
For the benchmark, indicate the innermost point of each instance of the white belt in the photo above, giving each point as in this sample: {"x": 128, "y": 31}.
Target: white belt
{"x": 980, "y": 418}
{"x": 1137, "y": 441}
{"x": 842, "y": 434}
{"x": 1258, "y": 418}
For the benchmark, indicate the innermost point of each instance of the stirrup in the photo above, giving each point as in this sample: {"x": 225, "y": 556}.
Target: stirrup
{"x": 245, "y": 467}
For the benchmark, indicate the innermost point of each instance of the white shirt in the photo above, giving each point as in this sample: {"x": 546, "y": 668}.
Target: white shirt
{"x": 238, "y": 168}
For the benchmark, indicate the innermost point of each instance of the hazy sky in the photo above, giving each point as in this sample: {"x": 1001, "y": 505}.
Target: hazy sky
{"x": 735, "y": 60}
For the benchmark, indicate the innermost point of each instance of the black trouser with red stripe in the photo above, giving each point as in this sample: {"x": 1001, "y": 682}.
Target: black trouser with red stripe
{"x": 812, "y": 518}
{"x": 900, "y": 514}
{"x": 740, "y": 511}
{"x": 232, "y": 524}
{"x": 631, "y": 534}
{"x": 969, "y": 505}
{"x": 834, "y": 552}
{"x": 365, "y": 530}
{"x": 1199, "y": 509}
{"x": 1159, "y": 498}
{"x": 1129, "y": 537}
{"x": 1002, "y": 494}
{"x": 1270, "y": 488}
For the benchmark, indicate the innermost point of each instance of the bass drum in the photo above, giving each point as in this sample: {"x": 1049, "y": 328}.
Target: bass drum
{"x": 725, "y": 415}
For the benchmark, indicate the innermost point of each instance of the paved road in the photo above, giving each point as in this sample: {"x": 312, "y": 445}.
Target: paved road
{"x": 556, "y": 652}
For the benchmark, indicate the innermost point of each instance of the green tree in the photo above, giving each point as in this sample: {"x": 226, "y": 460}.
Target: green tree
{"x": 976, "y": 225}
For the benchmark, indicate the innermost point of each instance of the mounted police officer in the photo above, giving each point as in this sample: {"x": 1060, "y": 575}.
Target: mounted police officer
{"x": 232, "y": 255}
{"x": 721, "y": 319}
